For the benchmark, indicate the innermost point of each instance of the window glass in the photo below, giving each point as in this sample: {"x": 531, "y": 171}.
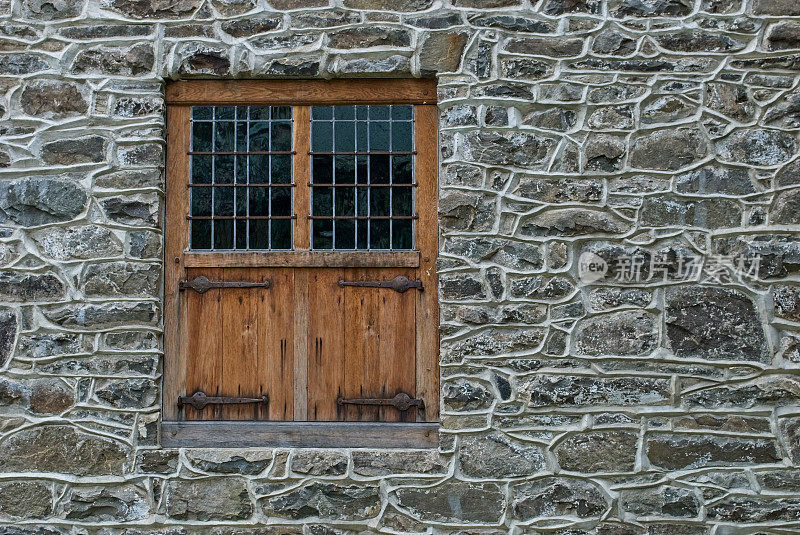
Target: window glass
{"x": 241, "y": 190}
{"x": 362, "y": 184}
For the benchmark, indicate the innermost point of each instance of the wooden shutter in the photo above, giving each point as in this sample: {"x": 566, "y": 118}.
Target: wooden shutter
{"x": 309, "y": 340}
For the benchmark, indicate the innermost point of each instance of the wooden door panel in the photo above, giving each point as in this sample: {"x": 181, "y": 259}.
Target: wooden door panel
{"x": 362, "y": 344}
{"x": 240, "y": 344}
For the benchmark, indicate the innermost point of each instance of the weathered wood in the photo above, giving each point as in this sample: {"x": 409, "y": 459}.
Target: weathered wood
{"x": 175, "y": 237}
{"x": 296, "y": 434}
{"x": 304, "y": 259}
{"x": 301, "y": 175}
{"x": 301, "y": 92}
{"x": 203, "y": 348}
{"x": 426, "y": 169}
{"x": 299, "y": 308}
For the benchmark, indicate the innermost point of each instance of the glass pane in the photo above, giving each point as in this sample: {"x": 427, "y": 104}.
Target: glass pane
{"x": 362, "y": 169}
{"x": 345, "y": 140}
{"x": 259, "y": 169}
{"x": 401, "y": 169}
{"x": 362, "y": 113}
{"x": 258, "y": 201}
{"x": 223, "y": 234}
{"x": 322, "y": 112}
{"x": 346, "y": 113}
{"x": 240, "y": 201}
{"x": 401, "y": 234}
{"x": 224, "y": 136}
{"x": 379, "y": 112}
{"x": 201, "y": 234}
{"x": 379, "y": 169}
{"x": 321, "y": 136}
{"x": 201, "y": 136}
{"x": 345, "y": 234}
{"x": 379, "y": 234}
{"x": 202, "y": 113}
{"x": 401, "y": 201}
{"x": 401, "y": 136}
{"x": 223, "y": 169}
{"x": 321, "y": 201}
{"x": 281, "y": 233}
{"x": 321, "y": 169}
{"x": 378, "y": 135}
{"x": 259, "y": 136}
{"x": 201, "y": 169}
{"x": 282, "y": 201}
{"x": 379, "y": 201}
{"x": 281, "y": 112}
{"x": 259, "y": 234}
{"x": 241, "y": 234}
{"x": 402, "y": 112}
{"x": 223, "y": 201}
{"x": 281, "y": 169}
{"x": 241, "y": 136}
{"x": 241, "y": 169}
{"x": 322, "y": 234}
{"x": 259, "y": 113}
{"x": 281, "y": 136}
{"x": 362, "y": 230}
{"x": 224, "y": 113}
{"x": 345, "y": 201}
{"x": 362, "y": 136}
{"x": 201, "y": 201}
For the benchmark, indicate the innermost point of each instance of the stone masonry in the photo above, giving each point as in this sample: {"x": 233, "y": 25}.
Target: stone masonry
{"x": 601, "y": 129}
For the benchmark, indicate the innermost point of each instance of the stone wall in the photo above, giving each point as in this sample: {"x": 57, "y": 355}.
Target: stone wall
{"x": 636, "y": 133}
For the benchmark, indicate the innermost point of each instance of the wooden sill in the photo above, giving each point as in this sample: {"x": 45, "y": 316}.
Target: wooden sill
{"x": 299, "y": 434}
{"x": 310, "y": 259}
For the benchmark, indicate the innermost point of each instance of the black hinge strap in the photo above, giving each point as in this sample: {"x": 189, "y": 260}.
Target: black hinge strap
{"x": 199, "y": 400}
{"x": 201, "y": 284}
{"x": 401, "y": 401}
{"x": 399, "y": 284}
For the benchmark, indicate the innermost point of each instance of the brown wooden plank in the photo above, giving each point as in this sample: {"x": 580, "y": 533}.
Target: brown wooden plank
{"x": 361, "y": 347}
{"x": 175, "y": 239}
{"x": 302, "y": 176}
{"x": 326, "y": 326}
{"x": 297, "y": 434}
{"x": 301, "y": 92}
{"x": 276, "y": 341}
{"x": 427, "y": 236}
{"x": 304, "y": 259}
{"x": 299, "y": 308}
{"x": 204, "y": 345}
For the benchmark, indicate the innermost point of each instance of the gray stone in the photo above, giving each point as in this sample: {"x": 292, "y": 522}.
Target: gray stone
{"x": 776, "y": 7}
{"x": 52, "y": 9}
{"x": 660, "y": 501}
{"x": 87, "y": 149}
{"x": 102, "y": 315}
{"x": 606, "y": 298}
{"x": 625, "y": 333}
{"x": 790, "y": 434}
{"x": 511, "y": 23}
{"x": 324, "y": 19}
{"x": 466, "y": 396}
{"x": 208, "y": 499}
{"x": 134, "y": 210}
{"x": 201, "y": 59}
{"x": 492, "y": 342}
{"x": 539, "y": 288}
{"x": 385, "y": 462}
{"x": 580, "y": 391}
{"x": 144, "y": 244}
{"x": 697, "y": 41}
{"x": 135, "y": 60}
{"x": 786, "y": 300}
{"x": 556, "y": 119}
{"x": 495, "y": 455}
{"x": 107, "y": 503}
{"x": 51, "y": 99}
{"x": 26, "y": 499}
{"x": 157, "y": 461}
{"x": 769, "y": 391}
{"x": 499, "y": 148}
{"x": 250, "y": 26}
{"x": 730, "y": 100}
{"x": 668, "y": 150}
{"x": 121, "y": 279}
{"x": 681, "y": 452}
{"x": 604, "y": 153}
{"x": 454, "y": 501}
{"x": 17, "y": 64}
{"x": 27, "y": 287}
{"x": 41, "y": 200}
{"x": 461, "y": 287}
{"x": 666, "y": 109}
{"x": 77, "y": 242}
{"x": 714, "y": 324}
{"x": 750, "y": 509}
{"x": 613, "y": 43}
{"x": 653, "y": 8}
{"x": 293, "y": 67}
{"x": 391, "y": 5}
{"x": 757, "y": 147}
{"x": 466, "y": 211}
{"x": 598, "y": 451}
{"x": 550, "y": 47}
{"x": 155, "y": 9}
{"x": 368, "y": 37}
{"x": 715, "y": 180}
{"x": 127, "y": 393}
{"x": 319, "y": 463}
{"x": 676, "y": 211}
{"x": 129, "y": 179}
{"x": 49, "y": 396}
{"x": 572, "y": 222}
{"x": 612, "y": 118}
{"x": 557, "y": 496}
{"x": 61, "y": 449}
{"x": 230, "y": 461}
{"x": 521, "y": 68}
{"x": 333, "y": 501}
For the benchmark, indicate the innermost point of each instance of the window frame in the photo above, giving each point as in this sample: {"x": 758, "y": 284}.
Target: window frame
{"x": 301, "y": 95}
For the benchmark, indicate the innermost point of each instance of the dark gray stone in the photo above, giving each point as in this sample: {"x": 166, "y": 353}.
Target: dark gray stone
{"x": 127, "y": 393}
{"x": 155, "y": 9}
{"x": 653, "y": 8}
{"x": 62, "y": 449}
{"x": 598, "y": 451}
{"x": 102, "y": 315}
{"x": 319, "y": 463}
{"x": 26, "y": 287}
{"x": 714, "y": 324}
{"x": 495, "y": 455}
{"x": 466, "y": 210}
{"x": 755, "y": 509}
{"x": 776, "y": 7}
{"x": 715, "y": 180}
{"x": 87, "y": 149}
{"x": 135, "y": 60}
{"x": 386, "y": 462}
{"x": 201, "y": 59}
{"x": 208, "y": 499}
{"x": 26, "y": 499}
{"x": 757, "y": 147}
{"x": 626, "y": 333}
{"x": 293, "y": 67}
{"x": 391, "y": 5}
{"x": 138, "y": 210}
{"x": 580, "y": 391}
{"x": 668, "y": 150}
{"x": 697, "y": 41}
{"x": 561, "y": 7}
{"x": 466, "y": 396}
{"x": 730, "y": 100}
{"x": 51, "y": 9}
{"x": 230, "y": 461}
{"x": 555, "y": 47}
{"x": 660, "y": 501}
{"x": 613, "y": 43}
{"x": 769, "y": 391}
{"x": 540, "y": 288}
{"x": 250, "y": 26}
{"x": 335, "y": 501}
{"x": 368, "y": 37}
{"x": 454, "y": 501}
{"x": 41, "y": 200}
{"x": 519, "y": 149}
{"x": 522, "y": 68}
{"x": 682, "y": 452}
{"x": 557, "y": 496}
{"x": 511, "y": 23}
{"x": 121, "y": 279}
{"x": 710, "y": 213}
{"x": 573, "y": 222}
{"x": 106, "y": 503}
{"x": 52, "y": 99}
{"x": 17, "y": 64}
{"x": 493, "y": 342}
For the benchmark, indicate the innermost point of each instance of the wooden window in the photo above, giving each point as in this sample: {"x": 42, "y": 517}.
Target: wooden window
{"x": 301, "y": 239}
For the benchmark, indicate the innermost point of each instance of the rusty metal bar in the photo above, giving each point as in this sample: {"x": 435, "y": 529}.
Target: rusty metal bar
{"x": 401, "y": 402}
{"x": 199, "y": 400}
{"x": 399, "y": 284}
{"x": 201, "y": 284}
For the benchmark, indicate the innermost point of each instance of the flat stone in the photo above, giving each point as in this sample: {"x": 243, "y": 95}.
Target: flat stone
{"x": 26, "y": 287}
{"x": 230, "y": 461}
{"x": 573, "y": 222}
{"x": 715, "y": 180}
{"x": 496, "y": 456}
{"x": 52, "y": 99}
{"x": 653, "y": 8}
{"x": 52, "y": 9}
{"x": 135, "y": 60}
{"x": 757, "y": 147}
{"x": 319, "y": 463}
{"x": 368, "y": 37}
{"x": 551, "y": 47}
{"x": 87, "y": 149}
{"x": 250, "y": 26}
{"x": 102, "y": 315}
{"x": 511, "y": 23}
{"x": 668, "y": 150}
{"x": 466, "y": 210}
{"x": 492, "y": 342}
{"x": 682, "y": 452}
{"x": 454, "y": 501}
{"x": 625, "y": 333}
{"x": 208, "y": 499}
{"x": 373, "y": 463}
{"x": 389, "y": 5}
{"x": 17, "y": 64}
{"x": 466, "y": 396}
{"x": 731, "y": 100}
{"x": 580, "y": 391}
{"x": 77, "y": 242}
{"x": 26, "y": 499}
{"x": 202, "y": 59}
{"x": 49, "y": 396}
{"x": 139, "y": 209}
{"x": 714, "y": 324}
{"x": 40, "y": 200}
{"x": 127, "y": 393}
{"x": 784, "y": 113}
{"x": 710, "y": 213}
{"x": 520, "y": 68}
{"x": 698, "y": 41}
{"x": 613, "y": 43}
{"x": 121, "y": 279}
{"x": 561, "y": 7}
{"x": 598, "y": 451}
{"x": 106, "y": 503}
{"x": 155, "y": 9}
{"x": 518, "y": 149}
{"x": 776, "y": 7}
{"x": 293, "y": 67}
{"x": 335, "y": 501}
{"x": 557, "y": 496}
{"x": 324, "y": 19}
{"x": 769, "y": 391}
{"x": 157, "y": 461}
{"x": 61, "y": 449}
{"x": 741, "y": 509}
{"x": 664, "y": 500}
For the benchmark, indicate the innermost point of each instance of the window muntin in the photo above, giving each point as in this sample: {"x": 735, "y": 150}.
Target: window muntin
{"x": 241, "y": 178}
{"x": 362, "y": 177}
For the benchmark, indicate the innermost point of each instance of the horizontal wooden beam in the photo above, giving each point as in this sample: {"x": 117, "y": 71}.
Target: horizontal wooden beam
{"x": 310, "y": 259}
{"x": 301, "y": 92}
{"x": 299, "y": 434}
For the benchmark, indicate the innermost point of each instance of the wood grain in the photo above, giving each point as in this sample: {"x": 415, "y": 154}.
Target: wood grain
{"x": 303, "y": 259}
{"x": 301, "y": 175}
{"x": 301, "y": 92}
